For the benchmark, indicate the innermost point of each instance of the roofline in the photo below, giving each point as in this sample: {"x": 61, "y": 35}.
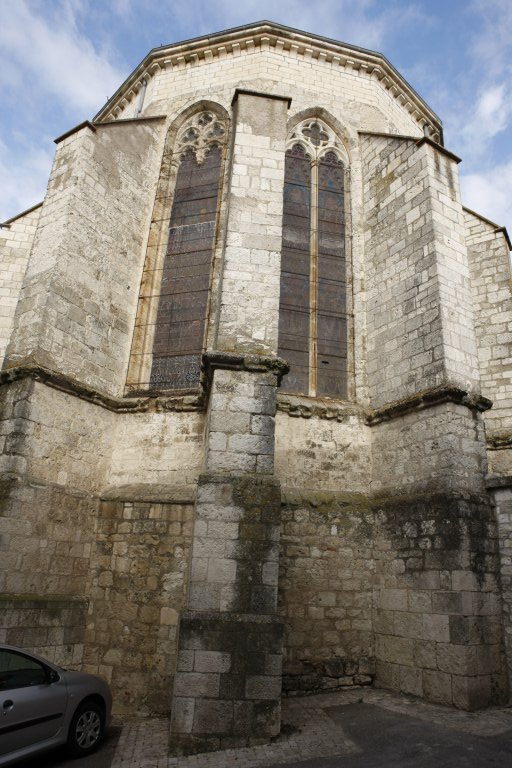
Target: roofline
{"x": 187, "y": 51}
{"x": 8, "y": 223}
{"x": 497, "y": 228}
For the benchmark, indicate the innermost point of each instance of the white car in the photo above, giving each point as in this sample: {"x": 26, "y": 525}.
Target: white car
{"x": 43, "y": 706}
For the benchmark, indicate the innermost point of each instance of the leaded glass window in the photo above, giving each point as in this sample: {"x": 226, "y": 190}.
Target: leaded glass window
{"x": 171, "y": 321}
{"x": 312, "y": 317}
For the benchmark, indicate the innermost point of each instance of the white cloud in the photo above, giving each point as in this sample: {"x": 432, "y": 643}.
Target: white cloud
{"x": 492, "y": 44}
{"x": 26, "y": 175}
{"x": 52, "y": 76}
{"x": 367, "y": 23}
{"x": 489, "y": 193}
{"x": 55, "y": 59}
{"x": 473, "y": 124}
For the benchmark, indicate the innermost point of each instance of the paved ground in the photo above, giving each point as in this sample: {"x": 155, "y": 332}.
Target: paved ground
{"x": 360, "y": 728}
{"x": 58, "y": 759}
{"x": 357, "y": 729}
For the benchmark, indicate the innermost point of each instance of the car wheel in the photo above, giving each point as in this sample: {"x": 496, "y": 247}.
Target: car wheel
{"x": 86, "y": 729}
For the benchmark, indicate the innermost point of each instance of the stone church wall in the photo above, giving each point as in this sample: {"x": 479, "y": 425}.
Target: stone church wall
{"x": 55, "y": 457}
{"x": 16, "y": 238}
{"x": 138, "y": 571}
{"x": 489, "y": 262}
{"x": 178, "y": 535}
{"x": 80, "y": 291}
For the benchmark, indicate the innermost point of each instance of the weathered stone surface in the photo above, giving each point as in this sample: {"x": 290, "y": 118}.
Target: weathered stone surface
{"x": 381, "y": 556}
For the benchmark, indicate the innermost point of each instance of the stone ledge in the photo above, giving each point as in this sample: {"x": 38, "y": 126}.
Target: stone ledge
{"x": 305, "y": 408}
{"x": 157, "y": 493}
{"x": 428, "y": 398}
{"x": 498, "y": 481}
{"x": 236, "y": 362}
{"x": 36, "y": 601}
{"x": 141, "y": 404}
{"x": 499, "y": 442}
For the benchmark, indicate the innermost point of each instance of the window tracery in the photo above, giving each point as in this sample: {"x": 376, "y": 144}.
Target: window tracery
{"x": 170, "y": 329}
{"x": 312, "y": 318}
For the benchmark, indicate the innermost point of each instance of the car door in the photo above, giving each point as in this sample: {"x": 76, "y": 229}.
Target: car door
{"x": 32, "y": 706}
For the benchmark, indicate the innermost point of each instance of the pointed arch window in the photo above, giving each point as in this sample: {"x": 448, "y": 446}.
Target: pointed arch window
{"x": 312, "y": 315}
{"x": 171, "y": 324}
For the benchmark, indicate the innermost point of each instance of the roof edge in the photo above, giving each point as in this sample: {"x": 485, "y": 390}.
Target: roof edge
{"x": 8, "y": 222}
{"x": 188, "y": 51}
{"x": 497, "y": 228}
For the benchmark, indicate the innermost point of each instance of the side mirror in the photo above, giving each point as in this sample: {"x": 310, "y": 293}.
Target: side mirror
{"x": 53, "y": 676}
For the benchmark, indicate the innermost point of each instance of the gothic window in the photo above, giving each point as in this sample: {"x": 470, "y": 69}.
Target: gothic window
{"x": 312, "y": 314}
{"x": 176, "y": 282}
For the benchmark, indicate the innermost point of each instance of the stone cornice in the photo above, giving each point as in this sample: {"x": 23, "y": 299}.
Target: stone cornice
{"x": 427, "y": 399}
{"x": 265, "y": 35}
{"x": 140, "y": 404}
{"x": 294, "y": 406}
{"x": 238, "y": 362}
{"x": 499, "y": 442}
{"x": 153, "y": 493}
{"x": 305, "y": 408}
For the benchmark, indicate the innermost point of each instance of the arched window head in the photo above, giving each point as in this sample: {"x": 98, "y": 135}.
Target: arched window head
{"x": 184, "y": 291}
{"x": 312, "y": 316}
{"x": 170, "y": 331}
{"x": 203, "y": 132}
{"x": 317, "y": 139}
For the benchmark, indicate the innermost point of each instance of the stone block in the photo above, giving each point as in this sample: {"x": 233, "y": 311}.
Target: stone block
{"x": 425, "y": 655}
{"x": 436, "y": 627}
{"x": 263, "y": 687}
{"x": 437, "y": 687}
{"x": 221, "y": 570}
{"x": 387, "y": 675}
{"x": 185, "y": 662}
{"x": 408, "y": 624}
{"x": 447, "y": 602}
{"x": 466, "y": 630}
{"x": 393, "y": 600}
{"x": 213, "y": 717}
{"x": 182, "y": 714}
{"x": 204, "y": 597}
{"x": 196, "y": 685}
{"x": 457, "y": 659}
{"x": 411, "y": 681}
{"x": 420, "y": 601}
{"x": 397, "y": 650}
{"x": 471, "y": 693}
{"x": 212, "y": 661}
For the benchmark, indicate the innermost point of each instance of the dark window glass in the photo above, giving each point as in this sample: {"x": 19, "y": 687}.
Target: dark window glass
{"x": 181, "y": 317}
{"x": 312, "y": 315}
{"x": 294, "y": 312}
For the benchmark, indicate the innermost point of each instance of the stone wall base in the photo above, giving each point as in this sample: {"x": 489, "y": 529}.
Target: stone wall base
{"x": 227, "y": 690}
{"x": 52, "y": 627}
{"x": 437, "y": 613}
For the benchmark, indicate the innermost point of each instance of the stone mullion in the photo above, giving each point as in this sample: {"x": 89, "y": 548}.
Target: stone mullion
{"x": 313, "y": 282}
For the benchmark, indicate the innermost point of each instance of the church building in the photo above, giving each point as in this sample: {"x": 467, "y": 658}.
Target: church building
{"x": 256, "y": 395}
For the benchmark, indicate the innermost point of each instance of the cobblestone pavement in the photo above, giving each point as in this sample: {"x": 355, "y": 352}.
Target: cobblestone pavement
{"x": 331, "y": 730}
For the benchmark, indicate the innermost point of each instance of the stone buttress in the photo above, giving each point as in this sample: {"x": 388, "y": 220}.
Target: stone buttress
{"x": 228, "y": 682}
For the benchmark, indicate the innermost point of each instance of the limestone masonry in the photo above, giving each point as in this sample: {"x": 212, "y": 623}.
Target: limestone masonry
{"x": 256, "y": 395}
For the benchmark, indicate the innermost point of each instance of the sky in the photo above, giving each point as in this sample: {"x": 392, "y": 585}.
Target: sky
{"x": 61, "y": 59}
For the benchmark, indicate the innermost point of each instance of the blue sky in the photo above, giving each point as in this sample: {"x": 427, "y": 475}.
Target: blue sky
{"x": 61, "y": 59}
